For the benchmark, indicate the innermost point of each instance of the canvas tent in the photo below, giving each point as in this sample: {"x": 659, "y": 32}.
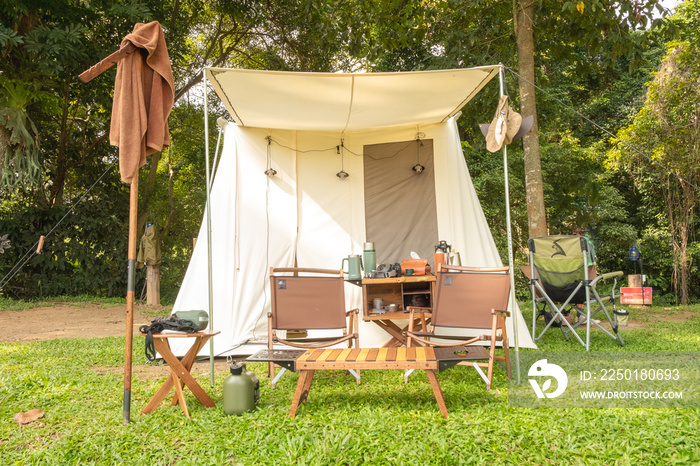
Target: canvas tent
{"x": 308, "y": 127}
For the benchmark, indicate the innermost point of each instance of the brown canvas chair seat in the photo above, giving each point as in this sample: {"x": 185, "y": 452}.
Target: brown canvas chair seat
{"x": 305, "y": 300}
{"x": 467, "y": 300}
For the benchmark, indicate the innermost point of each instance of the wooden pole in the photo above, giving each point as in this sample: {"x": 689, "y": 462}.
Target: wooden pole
{"x": 130, "y": 296}
{"x": 106, "y": 63}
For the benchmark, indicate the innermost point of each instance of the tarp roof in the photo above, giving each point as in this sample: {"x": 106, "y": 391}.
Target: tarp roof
{"x": 345, "y": 102}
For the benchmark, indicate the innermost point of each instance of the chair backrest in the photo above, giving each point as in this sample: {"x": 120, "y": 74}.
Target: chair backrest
{"x": 465, "y": 296}
{"x": 559, "y": 262}
{"x": 302, "y": 302}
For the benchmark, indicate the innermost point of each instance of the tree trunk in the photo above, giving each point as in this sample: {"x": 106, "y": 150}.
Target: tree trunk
{"x": 536, "y": 215}
{"x": 4, "y": 142}
{"x": 59, "y": 179}
{"x": 680, "y": 205}
{"x": 688, "y": 194}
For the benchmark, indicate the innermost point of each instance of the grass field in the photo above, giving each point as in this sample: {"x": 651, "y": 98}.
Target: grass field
{"x": 79, "y": 385}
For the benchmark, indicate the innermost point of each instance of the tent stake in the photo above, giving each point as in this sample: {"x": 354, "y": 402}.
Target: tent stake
{"x": 501, "y": 76}
{"x": 130, "y": 291}
{"x": 40, "y": 246}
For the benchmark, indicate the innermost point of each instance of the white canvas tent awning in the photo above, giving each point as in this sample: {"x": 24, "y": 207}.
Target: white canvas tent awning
{"x": 346, "y": 102}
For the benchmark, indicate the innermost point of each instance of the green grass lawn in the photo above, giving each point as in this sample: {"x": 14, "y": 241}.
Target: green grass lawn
{"x": 79, "y": 385}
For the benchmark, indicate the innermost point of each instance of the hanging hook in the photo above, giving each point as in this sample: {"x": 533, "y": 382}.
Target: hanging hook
{"x": 418, "y": 168}
{"x": 342, "y": 174}
{"x": 270, "y": 171}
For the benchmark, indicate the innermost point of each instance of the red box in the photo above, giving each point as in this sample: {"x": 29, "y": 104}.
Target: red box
{"x": 635, "y": 295}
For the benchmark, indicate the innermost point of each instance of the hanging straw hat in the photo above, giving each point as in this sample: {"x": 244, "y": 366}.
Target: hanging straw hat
{"x": 505, "y": 125}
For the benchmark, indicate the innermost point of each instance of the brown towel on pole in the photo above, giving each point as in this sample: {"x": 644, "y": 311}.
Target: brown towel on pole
{"x": 143, "y": 98}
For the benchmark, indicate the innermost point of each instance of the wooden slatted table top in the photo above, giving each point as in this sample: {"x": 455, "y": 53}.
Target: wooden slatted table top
{"x": 369, "y": 358}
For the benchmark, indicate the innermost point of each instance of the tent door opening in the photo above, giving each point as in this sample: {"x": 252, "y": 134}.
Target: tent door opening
{"x": 400, "y": 205}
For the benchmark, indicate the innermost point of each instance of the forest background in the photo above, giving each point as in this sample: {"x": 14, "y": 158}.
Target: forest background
{"x": 617, "y": 109}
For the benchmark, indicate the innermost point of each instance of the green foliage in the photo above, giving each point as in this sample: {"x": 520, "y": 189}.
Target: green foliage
{"x": 668, "y": 166}
{"x": 614, "y": 234}
{"x": 19, "y": 163}
{"x": 82, "y": 255}
{"x": 594, "y": 56}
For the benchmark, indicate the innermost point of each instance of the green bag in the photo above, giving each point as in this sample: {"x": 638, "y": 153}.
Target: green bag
{"x": 200, "y": 318}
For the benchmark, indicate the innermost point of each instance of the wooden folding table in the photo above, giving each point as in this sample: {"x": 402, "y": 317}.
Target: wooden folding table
{"x": 180, "y": 371}
{"x": 429, "y": 359}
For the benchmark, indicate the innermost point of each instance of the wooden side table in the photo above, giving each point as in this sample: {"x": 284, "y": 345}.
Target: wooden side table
{"x": 399, "y": 291}
{"x": 180, "y": 371}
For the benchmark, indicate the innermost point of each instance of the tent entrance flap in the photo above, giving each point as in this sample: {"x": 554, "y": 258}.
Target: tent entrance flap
{"x": 400, "y": 205}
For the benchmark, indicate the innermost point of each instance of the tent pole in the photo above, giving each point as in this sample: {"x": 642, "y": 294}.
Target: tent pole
{"x": 130, "y": 292}
{"x": 209, "y": 254}
{"x": 501, "y": 80}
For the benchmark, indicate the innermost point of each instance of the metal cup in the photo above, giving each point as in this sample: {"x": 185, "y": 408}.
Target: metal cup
{"x": 354, "y": 267}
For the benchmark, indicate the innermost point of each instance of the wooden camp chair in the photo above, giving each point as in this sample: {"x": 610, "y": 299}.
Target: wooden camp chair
{"x": 470, "y": 299}
{"x": 305, "y": 300}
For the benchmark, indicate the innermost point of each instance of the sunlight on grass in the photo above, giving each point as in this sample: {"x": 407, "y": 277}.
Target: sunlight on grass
{"x": 79, "y": 384}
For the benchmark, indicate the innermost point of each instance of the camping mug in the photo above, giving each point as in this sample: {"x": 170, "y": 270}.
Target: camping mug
{"x": 377, "y": 303}
{"x": 354, "y": 267}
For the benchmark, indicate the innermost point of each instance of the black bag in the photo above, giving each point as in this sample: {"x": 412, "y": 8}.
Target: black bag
{"x": 164, "y": 323}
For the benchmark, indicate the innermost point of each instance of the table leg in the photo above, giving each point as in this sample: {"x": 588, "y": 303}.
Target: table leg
{"x": 188, "y": 360}
{"x": 394, "y": 330}
{"x": 183, "y": 373}
{"x": 179, "y": 371}
{"x": 397, "y": 333}
{"x": 178, "y": 394}
{"x": 164, "y": 389}
{"x": 437, "y": 390}
{"x": 302, "y": 391}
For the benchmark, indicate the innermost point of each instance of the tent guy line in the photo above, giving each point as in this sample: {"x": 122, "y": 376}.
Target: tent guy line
{"x": 626, "y": 144}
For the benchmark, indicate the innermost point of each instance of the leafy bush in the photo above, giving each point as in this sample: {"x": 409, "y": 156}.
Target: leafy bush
{"x": 85, "y": 254}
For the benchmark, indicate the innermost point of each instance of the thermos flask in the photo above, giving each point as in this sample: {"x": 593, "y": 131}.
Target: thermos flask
{"x": 441, "y": 253}
{"x": 370, "y": 259}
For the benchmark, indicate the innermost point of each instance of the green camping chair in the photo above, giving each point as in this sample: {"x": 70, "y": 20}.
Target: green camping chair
{"x": 562, "y": 276}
